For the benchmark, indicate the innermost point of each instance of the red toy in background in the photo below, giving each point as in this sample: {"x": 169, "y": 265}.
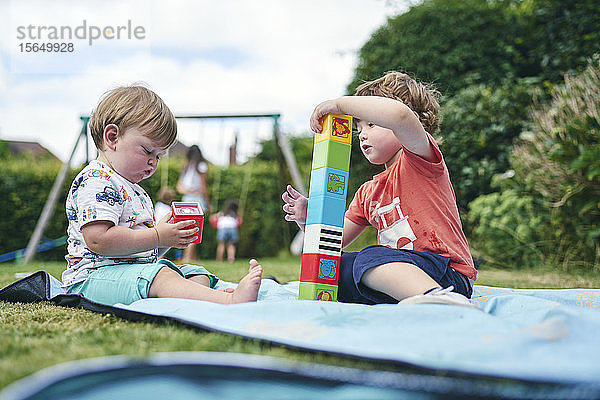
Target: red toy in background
{"x": 183, "y": 211}
{"x": 213, "y": 220}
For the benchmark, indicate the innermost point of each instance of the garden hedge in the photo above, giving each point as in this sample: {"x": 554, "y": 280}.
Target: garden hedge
{"x": 26, "y": 183}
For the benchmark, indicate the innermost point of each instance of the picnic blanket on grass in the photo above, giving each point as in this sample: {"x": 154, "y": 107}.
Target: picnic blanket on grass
{"x": 537, "y": 335}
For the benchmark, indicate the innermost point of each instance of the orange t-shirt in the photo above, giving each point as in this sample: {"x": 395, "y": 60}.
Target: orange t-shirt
{"x": 413, "y": 206}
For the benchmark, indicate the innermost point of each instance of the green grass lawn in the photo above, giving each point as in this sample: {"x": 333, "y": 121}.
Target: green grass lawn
{"x": 35, "y": 336}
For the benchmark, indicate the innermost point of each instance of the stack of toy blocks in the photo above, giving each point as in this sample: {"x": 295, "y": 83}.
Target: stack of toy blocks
{"x": 326, "y": 207}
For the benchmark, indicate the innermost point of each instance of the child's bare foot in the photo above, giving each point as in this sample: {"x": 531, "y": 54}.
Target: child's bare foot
{"x": 247, "y": 289}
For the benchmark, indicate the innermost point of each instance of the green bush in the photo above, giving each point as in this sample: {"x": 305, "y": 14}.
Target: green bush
{"x": 549, "y": 212}
{"x": 509, "y": 230}
{"x": 26, "y": 184}
{"x": 302, "y": 147}
{"x": 560, "y": 159}
{"x": 4, "y": 150}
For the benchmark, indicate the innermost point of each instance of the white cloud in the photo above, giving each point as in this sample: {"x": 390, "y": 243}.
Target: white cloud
{"x": 202, "y": 57}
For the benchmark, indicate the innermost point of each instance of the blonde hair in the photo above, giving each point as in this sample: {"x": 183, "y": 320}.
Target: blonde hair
{"x": 419, "y": 97}
{"x": 134, "y": 106}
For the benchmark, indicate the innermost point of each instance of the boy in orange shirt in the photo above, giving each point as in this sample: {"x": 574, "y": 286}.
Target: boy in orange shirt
{"x": 422, "y": 253}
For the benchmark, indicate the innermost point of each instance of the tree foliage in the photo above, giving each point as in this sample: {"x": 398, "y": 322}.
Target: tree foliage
{"x": 557, "y": 37}
{"x": 479, "y": 126}
{"x": 451, "y": 43}
{"x": 458, "y": 43}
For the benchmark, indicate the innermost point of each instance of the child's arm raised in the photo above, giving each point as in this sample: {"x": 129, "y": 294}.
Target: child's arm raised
{"x": 381, "y": 111}
{"x": 103, "y": 237}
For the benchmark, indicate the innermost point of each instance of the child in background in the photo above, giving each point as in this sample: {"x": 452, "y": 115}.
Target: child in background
{"x": 422, "y": 254}
{"x": 113, "y": 237}
{"x": 192, "y": 184}
{"x": 192, "y": 178}
{"x": 228, "y": 223}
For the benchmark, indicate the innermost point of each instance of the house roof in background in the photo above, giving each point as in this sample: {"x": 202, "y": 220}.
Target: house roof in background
{"x": 19, "y": 147}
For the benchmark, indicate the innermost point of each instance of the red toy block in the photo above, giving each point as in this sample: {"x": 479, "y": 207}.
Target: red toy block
{"x": 184, "y": 211}
{"x": 320, "y": 268}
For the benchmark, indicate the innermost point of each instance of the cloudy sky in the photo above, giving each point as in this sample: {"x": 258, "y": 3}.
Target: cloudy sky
{"x": 201, "y": 57}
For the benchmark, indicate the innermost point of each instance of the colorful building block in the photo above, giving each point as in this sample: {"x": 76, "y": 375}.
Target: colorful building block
{"x": 331, "y": 154}
{"x": 317, "y": 291}
{"x": 322, "y": 239}
{"x": 320, "y": 268}
{"x": 322, "y": 250}
{"x": 337, "y": 128}
{"x": 326, "y": 210}
{"x": 329, "y": 182}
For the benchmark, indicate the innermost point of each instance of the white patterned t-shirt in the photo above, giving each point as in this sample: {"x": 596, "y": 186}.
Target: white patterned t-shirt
{"x": 100, "y": 194}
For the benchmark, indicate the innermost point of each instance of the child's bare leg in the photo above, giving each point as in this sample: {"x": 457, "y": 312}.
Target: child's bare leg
{"x": 205, "y": 281}
{"x": 169, "y": 283}
{"x": 220, "y": 251}
{"x": 398, "y": 280}
{"x": 231, "y": 252}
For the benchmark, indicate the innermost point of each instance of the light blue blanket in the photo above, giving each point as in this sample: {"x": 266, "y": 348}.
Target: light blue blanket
{"x": 531, "y": 334}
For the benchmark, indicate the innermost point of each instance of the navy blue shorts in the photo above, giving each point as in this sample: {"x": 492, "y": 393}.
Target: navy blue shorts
{"x": 354, "y": 265}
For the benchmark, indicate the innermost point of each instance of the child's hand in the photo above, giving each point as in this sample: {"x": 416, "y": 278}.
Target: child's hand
{"x": 326, "y": 107}
{"x": 295, "y": 206}
{"x": 179, "y": 235}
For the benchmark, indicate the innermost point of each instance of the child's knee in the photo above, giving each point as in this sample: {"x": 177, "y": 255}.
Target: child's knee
{"x": 164, "y": 277}
{"x": 201, "y": 279}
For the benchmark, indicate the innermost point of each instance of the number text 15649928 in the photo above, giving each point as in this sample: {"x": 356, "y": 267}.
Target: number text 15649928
{"x": 58, "y": 47}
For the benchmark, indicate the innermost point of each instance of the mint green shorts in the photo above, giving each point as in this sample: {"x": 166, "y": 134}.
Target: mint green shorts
{"x": 126, "y": 283}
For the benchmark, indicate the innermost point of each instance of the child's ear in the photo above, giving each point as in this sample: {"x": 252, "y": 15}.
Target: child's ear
{"x": 111, "y": 135}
